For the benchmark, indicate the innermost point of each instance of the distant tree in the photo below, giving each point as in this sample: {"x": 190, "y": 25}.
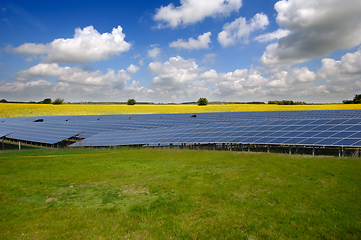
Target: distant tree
{"x": 58, "y": 101}
{"x": 3, "y": 101}
{"x": 299, "y": 103}
{"x": 357, "y": 98}
{"x": 202, "y": 101}
{"x": 347, "y": 101}
{"x": 131, "y": 101}
{"x": 46, "y": 101}
{"x": 272, "y": 102}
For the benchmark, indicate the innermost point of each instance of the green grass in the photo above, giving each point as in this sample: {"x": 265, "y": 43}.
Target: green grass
{"x": 177, "y": 194}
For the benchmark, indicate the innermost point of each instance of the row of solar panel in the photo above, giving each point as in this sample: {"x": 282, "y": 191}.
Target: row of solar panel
{"x": 310, "y": 127}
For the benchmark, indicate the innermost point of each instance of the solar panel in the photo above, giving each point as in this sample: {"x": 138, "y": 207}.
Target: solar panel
{"x": 316, "y": 128}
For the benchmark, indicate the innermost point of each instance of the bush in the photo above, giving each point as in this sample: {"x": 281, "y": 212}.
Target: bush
{"x": 3, "y": 101}
{"x": 46, "y": 101}
{"x": 131, "y": 101}
{"x": 284, "y": 102}
{"x": 272, "y": 102}
{"x": 357, "y": 98}
{"x": 347, "y": 101}
{"x": 58, "y": 101}
{"x": 202, "y": 101}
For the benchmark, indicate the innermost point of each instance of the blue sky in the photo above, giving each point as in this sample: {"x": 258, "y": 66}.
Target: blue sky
{"x": 177, "y": 51}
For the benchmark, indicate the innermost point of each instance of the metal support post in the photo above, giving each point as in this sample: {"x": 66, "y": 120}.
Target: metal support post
{"x": 290, "y": 149}
{"x": 3, "y": 144}
{"x": 214, "y": 147}
{"x": 19, "y": 146}
{"x": 249, "y": 147}
{"x": 230, "y": 147}
{"x": 267, "y": 148}
{"x": 313, "y": 151}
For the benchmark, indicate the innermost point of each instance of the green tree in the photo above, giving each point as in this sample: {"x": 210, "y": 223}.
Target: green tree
{"x": 347, "y": 101}
{"x": 131, "y": 101}
{"x": 357, "y": 98}
{"x": 46, "y": 101}
{"x": 58, "y": 101}
{"x": 3, "y": 101}
{"x": 202, "y": 101}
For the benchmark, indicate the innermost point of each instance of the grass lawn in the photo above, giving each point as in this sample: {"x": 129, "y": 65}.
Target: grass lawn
{"x": 177, "y": 194}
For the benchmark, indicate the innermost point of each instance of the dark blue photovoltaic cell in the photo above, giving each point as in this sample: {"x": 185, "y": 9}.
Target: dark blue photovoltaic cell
{"x": 238, "y": 139}
{"x": 252, "y": 140}
{"x": 343, "y": 134}
{"x": 306, "y": 128}
{"x": 355, "y": 128}
{"x": 356, "y": 135}
{"x": 310, "y": 141}
{"x": 308, "y": 134}
{"x": 325, "y": 134}
{"x": 292, "y": 134}
{"x": 295, "y": 140}
{"x": 340, "y": 128}
{"x": 357, "y": 143}
{"x": 346, "y": 142}
{"x": 3, "y": 133}
{"x": 278, "y": 134}
{"x": 322, "y": 128}
{"x": 279, "y": 140}
{"x": 305, "y": 122}
{"x": 353, "y": 121}
{"x": 328, "y": 141}
{"x": 263, "y": 134}
{"x": 265, "y": 140}
{"x": 337, "y": 121}
{"x": 291, "y": 128}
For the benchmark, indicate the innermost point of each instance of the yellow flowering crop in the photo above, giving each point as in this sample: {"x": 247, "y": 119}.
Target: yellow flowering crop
{"x": 22, "y": 110}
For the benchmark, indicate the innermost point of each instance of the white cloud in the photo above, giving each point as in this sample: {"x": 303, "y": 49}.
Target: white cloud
{"x": 87, "y": 45}
{"x": 175, "y": 73}
{"x": 41, "y": 70}
{"x": 201, "y": 42}
{"x": 192, "y": 11}
{"x": 75, "y": 75}
{"x": 239, "y": 30}
{"x": 210, "y": 58}
{"x": 132, "y": 69}
{"x": 154, "y": 52}
{"x": 317, "y": 27}
{"x": 348, "y": 68}
{"x": 280, "y": 33}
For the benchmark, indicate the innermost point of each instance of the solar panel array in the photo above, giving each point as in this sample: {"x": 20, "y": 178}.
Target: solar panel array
{"x": 313, "y": 128}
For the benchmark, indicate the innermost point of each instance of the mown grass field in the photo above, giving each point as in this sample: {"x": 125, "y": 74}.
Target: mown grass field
{"x": 177, "y": 194}
{"x": 23, "y": 110}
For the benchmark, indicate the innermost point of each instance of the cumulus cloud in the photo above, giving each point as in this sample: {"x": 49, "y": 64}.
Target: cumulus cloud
{"x": 193, "y": 11}
{"x": 347, "y": 68}
{"x": 174, "y": 73}
{"x": 132, "y": 69}
{"x": 239, "y": 30}
{"x": 280, "y": 33}
{"x": 200, "y": 43}
{"x": 75, "y": 75}
{"x": 316, "y": 28}
{"x": 154, "y": 52}
{"x": 87, "y": 45}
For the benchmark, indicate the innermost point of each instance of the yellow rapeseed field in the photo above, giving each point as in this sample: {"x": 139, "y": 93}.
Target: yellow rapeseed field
{"x": 22, "y": 110}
